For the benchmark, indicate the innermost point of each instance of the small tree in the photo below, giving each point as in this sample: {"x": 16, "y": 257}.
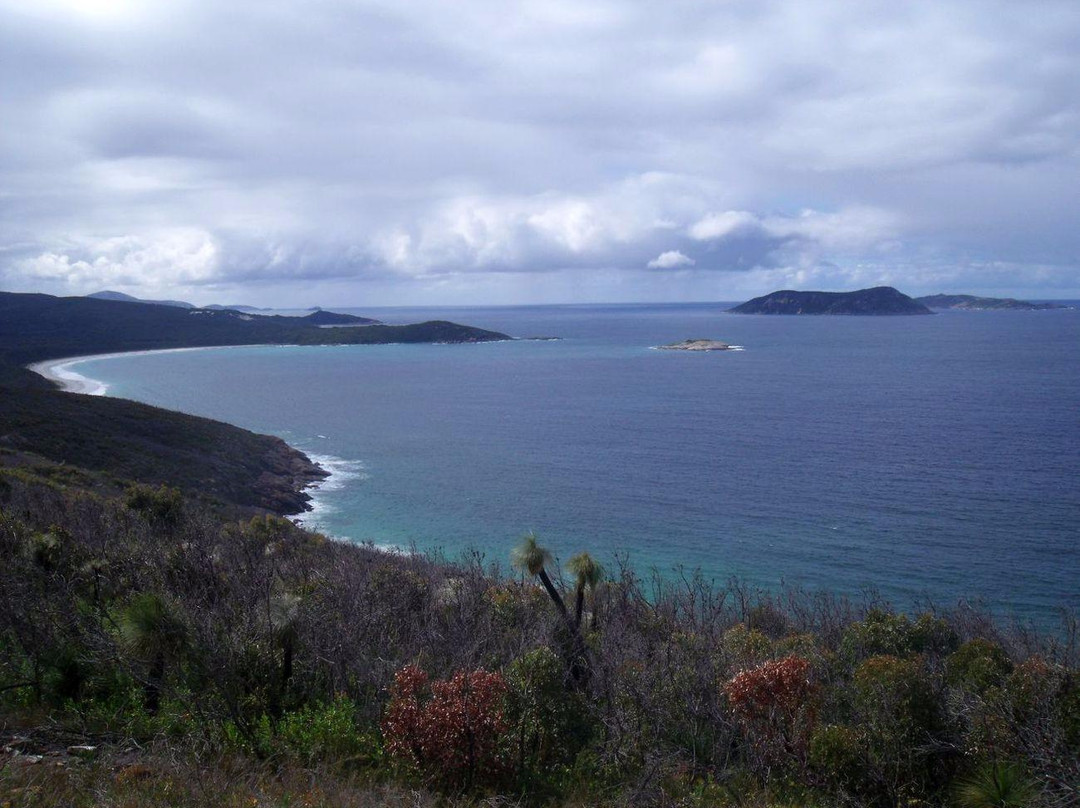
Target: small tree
{"x": 152, "y": 631}
{"x": 587, "y": 573}
{"x": 530, "y": 557}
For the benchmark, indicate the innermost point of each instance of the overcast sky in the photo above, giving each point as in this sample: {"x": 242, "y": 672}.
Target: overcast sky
{"x": 294, "y": 152}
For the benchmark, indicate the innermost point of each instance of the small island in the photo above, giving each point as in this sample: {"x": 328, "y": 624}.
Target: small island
{"x": 696, "y": 345}
{"x": 880, "y": 300}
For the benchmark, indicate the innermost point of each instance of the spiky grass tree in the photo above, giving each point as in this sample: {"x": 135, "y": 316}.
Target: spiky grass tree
{"x": 587, "y": 575}
{"x": 530, "y": 557}
{"x": 152, "y": 631}
{"x": 997, "y": 785}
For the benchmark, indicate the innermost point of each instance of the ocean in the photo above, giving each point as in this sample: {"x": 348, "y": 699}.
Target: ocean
{"x": 928, "y": 458}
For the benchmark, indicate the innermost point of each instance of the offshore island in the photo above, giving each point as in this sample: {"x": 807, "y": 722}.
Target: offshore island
{"x": 696, "y": 345}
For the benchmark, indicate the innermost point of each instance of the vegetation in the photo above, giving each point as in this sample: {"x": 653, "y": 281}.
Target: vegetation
{"x": 210, "y": 660}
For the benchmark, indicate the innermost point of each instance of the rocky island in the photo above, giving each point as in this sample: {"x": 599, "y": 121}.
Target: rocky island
{"x": 695, "y": 345}
{"x": 974, "y": 303}
{"x": 880, "y": 300}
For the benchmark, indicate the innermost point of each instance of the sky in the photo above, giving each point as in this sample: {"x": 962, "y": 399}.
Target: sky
{"x": 420, "y": 152}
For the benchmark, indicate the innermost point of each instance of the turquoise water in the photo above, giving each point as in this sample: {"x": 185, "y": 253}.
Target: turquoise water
{"x": 929, "y": 457}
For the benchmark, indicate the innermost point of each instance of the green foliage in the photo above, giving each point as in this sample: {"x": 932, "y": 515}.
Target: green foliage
{"x": 996, "y": 785}
{"x": 163, "y": 503}
{"x": 328, "y": 732}
{"x": 883, "y": 633}
{"x": 529, "y": 556}
{"x": 547, "y": 721}
{"x": 977, "y": 666}
{"x": 837, "y": 756}
{"x": 747, "y": 645}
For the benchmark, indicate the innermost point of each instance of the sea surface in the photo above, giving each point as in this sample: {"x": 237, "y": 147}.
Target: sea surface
{"x": 929, "y": 458}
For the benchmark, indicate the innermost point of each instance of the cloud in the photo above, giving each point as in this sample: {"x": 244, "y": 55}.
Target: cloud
{"x": 670, "y": 260}
{"x": 409, "y": 147}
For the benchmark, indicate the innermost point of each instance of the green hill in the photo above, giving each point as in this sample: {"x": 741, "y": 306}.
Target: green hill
{"x": 880, "y": 300}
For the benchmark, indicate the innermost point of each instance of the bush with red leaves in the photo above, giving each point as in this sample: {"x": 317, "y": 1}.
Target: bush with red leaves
{"x": 451, "y": 730}
{"x": 775, "y": 703}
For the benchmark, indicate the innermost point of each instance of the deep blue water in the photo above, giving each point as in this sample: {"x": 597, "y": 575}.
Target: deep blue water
{"x": 925, "y": 456}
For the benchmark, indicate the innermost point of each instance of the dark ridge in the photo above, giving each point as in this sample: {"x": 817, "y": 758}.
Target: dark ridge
{"x": 880, "y": 300}
{"x": 34, "y": 327}
{"x": 974, "y": 303}
{"x": 133, "y": 441}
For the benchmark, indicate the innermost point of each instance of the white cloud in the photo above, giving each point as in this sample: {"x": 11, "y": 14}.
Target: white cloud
{"x": 162, "y": 261}
{"x": 671, "y": 259}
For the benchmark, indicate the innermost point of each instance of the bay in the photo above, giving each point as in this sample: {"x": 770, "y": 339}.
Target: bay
{"x": 927, "y": 457}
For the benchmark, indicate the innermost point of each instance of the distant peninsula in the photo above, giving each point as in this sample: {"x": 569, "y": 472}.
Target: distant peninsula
{"x": 974, "y": 303}
{"x": 223, "y": 465}
{"x": 880, "y": 300}
{"x": 695, "y": 345}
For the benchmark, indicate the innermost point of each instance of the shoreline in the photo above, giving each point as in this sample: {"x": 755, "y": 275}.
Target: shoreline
{"x": 59, "y": 373}
{"x": 56, "y": 370}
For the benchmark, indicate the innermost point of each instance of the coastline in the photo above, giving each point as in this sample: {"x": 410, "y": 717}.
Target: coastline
{"x": 335, "y": 471}
{"x": 57, "y": 370}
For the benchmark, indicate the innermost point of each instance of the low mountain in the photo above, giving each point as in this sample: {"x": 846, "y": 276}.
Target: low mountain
{"x": 880, "y": 300}
{"x": 326, "y": 318}
{"x": 120, "y": 297}
{"x": 974, "y": 303}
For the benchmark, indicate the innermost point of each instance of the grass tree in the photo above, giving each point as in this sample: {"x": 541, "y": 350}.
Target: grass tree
{"x": 587, "y": 575}
{"x": 530, "y": 557}
{"x": 152, "y": 631}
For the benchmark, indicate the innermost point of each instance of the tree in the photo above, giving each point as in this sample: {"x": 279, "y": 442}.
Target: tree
{"x": 152, "y": 631}
{"x": 588, "y": 574}
{"x": 530, "y": 557}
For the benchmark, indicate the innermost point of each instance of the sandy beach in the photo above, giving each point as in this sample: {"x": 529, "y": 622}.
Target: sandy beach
{"x": 70, "y": 381}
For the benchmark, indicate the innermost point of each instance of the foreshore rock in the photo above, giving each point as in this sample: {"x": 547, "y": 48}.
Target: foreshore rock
{"x": 696, "y": 345}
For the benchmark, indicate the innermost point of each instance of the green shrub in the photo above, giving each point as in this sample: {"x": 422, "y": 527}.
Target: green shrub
{"x": 328, "y": 732}
{"x": 163, "y": 503}
{"x": 548, "y": 721}
{"x": 837, "y": 756}
{"x": 996, "y": 785}
{"x": 886, "y": 634}
{"x": 977, "y": 666}
{"x": 747, "y": 645}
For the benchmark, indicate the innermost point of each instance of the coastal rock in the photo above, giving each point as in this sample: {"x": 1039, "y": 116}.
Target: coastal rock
{"x": 695, "y": 345}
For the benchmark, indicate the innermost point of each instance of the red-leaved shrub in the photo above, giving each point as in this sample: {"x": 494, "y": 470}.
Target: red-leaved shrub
{"x": 451, "y": 730}
{"x": 775, "y": 704}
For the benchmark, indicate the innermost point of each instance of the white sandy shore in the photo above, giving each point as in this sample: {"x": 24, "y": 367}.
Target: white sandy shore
{"x": 60, "y": 370}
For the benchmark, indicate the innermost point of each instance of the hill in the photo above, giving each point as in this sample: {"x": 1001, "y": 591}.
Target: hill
{"x": 880, "y": 300}
{"x": 120, "y": 297}
{"x": 974, "y": 303}
{"x": 35, "y": 327}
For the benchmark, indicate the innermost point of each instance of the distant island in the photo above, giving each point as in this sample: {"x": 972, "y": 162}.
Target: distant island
{"x": 974, "y": 303}
{"x": 880, "y": 300}
{"x": 695, "y": 345}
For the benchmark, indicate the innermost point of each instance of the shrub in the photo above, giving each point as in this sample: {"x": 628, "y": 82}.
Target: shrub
{"x": 452, "y": 731}
{"x": 164, "y": 504}
{"x": 547, "y": 721}
{"x": 883, "y": 633}
{"x": 997, "y": 785}
{"x": 327, "y": 731}
{"x": 900, "y": 714}
{"x": 837, "y": 756}
{"x": 747, "y": 644}
{"x": 775, "y": 703}
{"x": 977, "y": 666}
